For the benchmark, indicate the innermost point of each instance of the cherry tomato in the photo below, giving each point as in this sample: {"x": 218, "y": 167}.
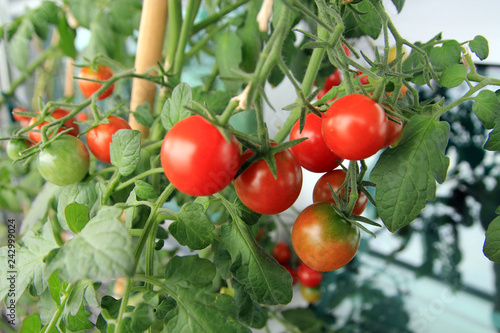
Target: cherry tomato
{"x": 308, "y": 277}
{"x": 197, "y": 159}
{"x": 282, "y": 253}
{"x": 323, "y": 239}
{"x": 313, "y": 154}
{"x": 346, "y": 50}
{"x": 363, "y": 78}
{"x": 355, "y": 127}
{"x": 394, "y": 129}
{"x": 292, "y": 273}
{"x": 57, "y": 114}
{"x": 311, "y": 295}
{"x": 23, "y": 120}
{"x": 82, "y": 116}
{"x": 261, "y": 192}
{"x": 89, "y": 87}
{"x": 15, "y": 146}
{"x": 322, "y": 193}
{"x": 99, "y": 138}
{"x": 64, "y": 161}
{"x": 335, "y": 79}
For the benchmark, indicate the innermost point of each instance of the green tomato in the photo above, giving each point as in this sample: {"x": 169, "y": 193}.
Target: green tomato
{"x": 64, "y": 161}
{"x": 15, "y": 146}
{"x": 310, "y": 294}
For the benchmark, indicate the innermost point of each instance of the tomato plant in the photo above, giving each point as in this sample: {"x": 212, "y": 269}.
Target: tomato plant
{"x": 313, "y": 153}
{"x": 282, "y": 253}
{"x": 64, "y": 161}
{"x": 261, "y": 192}
{"x": 88, "y": 87}
{"x": 35, "y": 135}
{"x": 15, "y": 146}
{"x": 355, "y": 127}
{"x": 323, "y": 239}
{"x": 335, "y": 179}
{"x": 100, "y": 137}
{"x": 308, "y": 277}
{"x": 197, "y": 158}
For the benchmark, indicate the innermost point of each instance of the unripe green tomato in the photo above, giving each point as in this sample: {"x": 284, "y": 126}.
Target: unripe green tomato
{"x": 64, "y": 161}
{"x": 15, "y": 146}
{"x": 310, "y": 294}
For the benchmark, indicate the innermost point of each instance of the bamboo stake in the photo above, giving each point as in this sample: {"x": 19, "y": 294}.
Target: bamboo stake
{"x": 149, "y": 49}
{"x": 69, "y": 82}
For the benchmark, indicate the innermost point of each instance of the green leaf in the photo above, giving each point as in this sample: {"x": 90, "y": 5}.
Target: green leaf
{"x": 189, "y": 271}
{"x": 479, "y": 45}
{"x": 249, "y": 34}
{"x": 125, "y": 16}
{"x": 487, "y": 108}
{"x": 368, "y": 23}
{"x": 67, "y": 37}
{"x": 453, "y": 75}
{"x": 249, "y": 312}
{"x": 81, "y": 193}
{"x": 174, "y": 108}
{"x": 264, "y": 279}
{"x": 29, "y": 262}
{"x": 83, "y": 289}
{"x": 125, "y": 150}
{"x": 76, "y": 216}
{"x": 31, "y": 324}
{"x": 399, "y": 4}
{"x": 215, "y": 101}
{"x": 306, "y": 320}
{"x": 192, "y": 227}
{"x": 102, "y": 250}
{"x": 164, "y": 307}
{"x": 19, "y": 43}
{"x": 247, "y": 215}
{"x": 491, "y": 246}
{"x": 145, "y": 190}
{"x": 228, "y": 56}
{"x": 405, "y": 176}
{"x": 449, "y": 54}
{"x": 493, "y": 142}
{"x": 142, "y": 317}
{"x": 79, "y": 321}
{"x": 84, "y": 11}
{"x": 143, "y": 115}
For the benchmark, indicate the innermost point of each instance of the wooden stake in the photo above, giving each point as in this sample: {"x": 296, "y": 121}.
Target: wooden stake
{"x": 149, "y": 53}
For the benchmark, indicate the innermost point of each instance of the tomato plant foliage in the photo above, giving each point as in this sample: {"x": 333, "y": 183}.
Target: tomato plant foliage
{"x": 180, "y": 237}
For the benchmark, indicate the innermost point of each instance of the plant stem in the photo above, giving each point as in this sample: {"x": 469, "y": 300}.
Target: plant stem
{"x": 123, "y": 304}
{"x": 139, "y": 176}
{"x": 187, "y": 24}
{"x": 111, "y": 186}
{"x": 57, "y": 316}
{"x": 217, "y": 16}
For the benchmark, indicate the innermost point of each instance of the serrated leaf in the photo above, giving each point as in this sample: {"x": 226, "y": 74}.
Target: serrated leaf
{"x": 76, "y": 216}
{"x": 125, "y": 150}
{"x": 479, "y": 45}
{"x": 228, "y": 57}
{"x": 79, "y": 321}
{"x": 164, "y": 307}
{"x": 190, "y": 271}
{"x": 81, "y": 193}
{"x": 491, "y": 248}
{"x": 406, "y": 175}
{"x": 174, "y": 108}
{"x": 102, "y": 250}
{"x": 29, "y": 262}
{"x": 249, "y": 312}
{"x": 143, "y": 115}
{"x": 192, "y": 227}
{"x": 145, "y": 190}
{"x": 446, "y": 55}
{"x": 266, "y": 281}
{"x": 487, "y": 108}
{"x": 142, "y": 317}
{"x": 453, "y": 75}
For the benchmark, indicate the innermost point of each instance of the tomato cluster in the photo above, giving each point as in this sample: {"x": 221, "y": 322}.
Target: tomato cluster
{"x": 308, "y": 278}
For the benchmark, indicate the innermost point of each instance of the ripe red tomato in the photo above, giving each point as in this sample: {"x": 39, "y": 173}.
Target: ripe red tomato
{"x": 394, "y": 130}
{"x": 57, "y": 114}
{"x": 355, "y": 127}
{"x": 89, "y": 87}
{"x": 311, "y": 295}
{"x": 308, "y": 277}
{"x": 313, "y": 153}
{"x": 261, "y": 192}
{"x": 82, "y": 116}
{"x": 99, "y": 138}
{"x": 363, "y": 78}
{"x": 323, "y": 239}
{"x": 197, "y": 159}
{"x": 23, "y": 120}
{"x": 336, "y": 178}
{"x": 292, "y": 273}
{"x": 346, "y": 50}
{"x": 282, "y": 253}
{"x": 334, "y": 80}
{"x": 64, "y": 161}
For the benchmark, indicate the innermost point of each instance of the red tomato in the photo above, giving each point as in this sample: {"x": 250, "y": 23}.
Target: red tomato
{"x": 323, "y": 239}
{"x": 89, "y": 87}
{"x": 82, "y": 116}
{"x": 57, "y": 114}
{"x": 23, "y": 120}
{"x": 355, "y": 127}
{"x": 292, "y": 273}
{"x": 363, "y": 78}
{"x": 313, "y": 153}
{"x": 336, "y": 178}
{"x": 394, "y": 130}
{"x": 99, "y": 138}
{"x": 282, "y": 253}
{"x": 346, "y": 50}
{"x": 261, "y": 192}
{"x": 197, "y": 159}
{"x": 334, "y": 80}
{"x": 308, "y": 277}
